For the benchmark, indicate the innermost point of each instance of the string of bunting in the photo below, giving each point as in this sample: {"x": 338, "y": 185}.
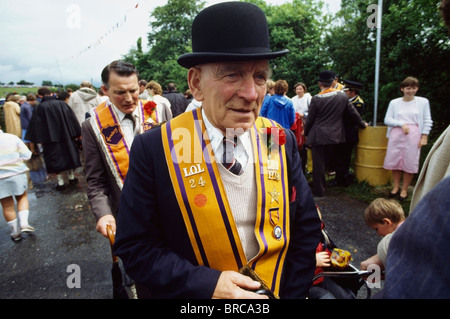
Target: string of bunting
{"x": 114, "y": 27}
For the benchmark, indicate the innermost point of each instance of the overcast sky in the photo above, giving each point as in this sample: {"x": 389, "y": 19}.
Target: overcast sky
{"x": 69, "y": 41}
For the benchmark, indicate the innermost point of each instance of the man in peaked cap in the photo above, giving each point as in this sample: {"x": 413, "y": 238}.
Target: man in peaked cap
{"x": 343, "y": 152}
{"x": 231, "y": 215}
{"x": 325, "y": 127}
{"x": 352, "y": 89}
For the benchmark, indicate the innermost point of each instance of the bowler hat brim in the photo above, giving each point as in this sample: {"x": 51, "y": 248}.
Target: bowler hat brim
{"x": 195, "y": 58}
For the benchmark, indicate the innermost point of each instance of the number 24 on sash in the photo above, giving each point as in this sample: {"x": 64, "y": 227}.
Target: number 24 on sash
{"x": 200, "y": 182}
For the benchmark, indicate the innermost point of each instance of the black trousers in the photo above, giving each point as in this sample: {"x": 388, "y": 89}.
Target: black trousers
{"x": 321, "y": 156}
{"x": 342, "y": 159}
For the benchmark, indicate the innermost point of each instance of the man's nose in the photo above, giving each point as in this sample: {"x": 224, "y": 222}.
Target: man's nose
{"x": 248, "y": 89}
{"x": 128, "y": 96}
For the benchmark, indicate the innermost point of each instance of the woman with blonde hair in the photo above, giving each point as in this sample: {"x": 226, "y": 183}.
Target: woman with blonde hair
{"x": 162, "y": 104}
{"x": 409, "y": 123}
{"x": 12, "y": 115}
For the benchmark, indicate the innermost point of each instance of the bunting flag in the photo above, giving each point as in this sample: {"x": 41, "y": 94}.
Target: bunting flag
{"x": 96, "y": 43}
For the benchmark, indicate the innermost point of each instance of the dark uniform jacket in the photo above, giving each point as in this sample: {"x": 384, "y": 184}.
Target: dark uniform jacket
{"x": 351, "y": 129}
{"x": 153, "y": 243}
{"x": 55, "y": 126}
{"x": 325, "y": 118}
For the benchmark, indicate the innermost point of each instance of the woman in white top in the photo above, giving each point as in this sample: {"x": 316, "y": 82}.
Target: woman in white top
{"x": 162, "y": 104}
{"x": 14, "y": 183}
{"x": 301, "y": 105}
{"x": 409, "y": 123}
{"x": 302, "y": 100}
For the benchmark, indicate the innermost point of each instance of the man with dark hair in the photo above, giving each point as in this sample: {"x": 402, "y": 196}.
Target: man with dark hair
{"x": 178, "y": 102}
{"x": 215, "y": 204}
{"x": 56, "y": 127}
{"x": 107, "y": 139}
{"x": 325, "y": 126}
{"x": 143, "y": 92}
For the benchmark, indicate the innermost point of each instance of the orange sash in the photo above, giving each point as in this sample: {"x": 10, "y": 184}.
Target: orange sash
{"x": 112, "y": 140}
{"x": 204, "y": 205}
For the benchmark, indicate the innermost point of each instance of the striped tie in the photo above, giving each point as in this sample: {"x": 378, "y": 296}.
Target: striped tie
{"x": 228, "y": 160}
{"x": 132, "y": 119}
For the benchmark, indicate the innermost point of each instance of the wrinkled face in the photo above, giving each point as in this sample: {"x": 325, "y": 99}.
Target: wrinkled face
{"x": 123, "y": 91}
{"x": 409, "y": 91}
{"x": 231, "y": 92}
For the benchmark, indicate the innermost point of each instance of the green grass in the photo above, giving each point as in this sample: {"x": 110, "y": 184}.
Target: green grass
{"x": 366, "y": 193}
{"x": 21, "y": 91}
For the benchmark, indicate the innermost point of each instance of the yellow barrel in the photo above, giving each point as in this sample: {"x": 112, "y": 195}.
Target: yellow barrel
{"x": 370, "y": 153}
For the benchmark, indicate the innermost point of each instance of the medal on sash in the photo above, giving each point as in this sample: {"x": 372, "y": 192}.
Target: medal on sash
{"x": 204, "y": 204}
{"x": 274, "y": 137}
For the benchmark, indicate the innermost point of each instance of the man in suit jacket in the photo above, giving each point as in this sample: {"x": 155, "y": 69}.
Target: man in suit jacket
{"x": 107, "y": 138}
{"x": 189, "y": 225}
{"x": 325, "y": 126}
{"x": 178, "y": 102}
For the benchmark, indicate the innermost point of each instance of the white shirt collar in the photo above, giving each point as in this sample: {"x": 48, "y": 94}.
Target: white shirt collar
{"x": 243, "y": 148}
{"x": 121, "y": 115}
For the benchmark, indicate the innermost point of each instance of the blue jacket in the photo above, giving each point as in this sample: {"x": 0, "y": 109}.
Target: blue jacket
{"x": 280, "y": 109}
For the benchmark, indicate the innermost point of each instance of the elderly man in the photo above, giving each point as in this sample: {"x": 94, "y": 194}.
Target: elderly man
{"x": 215, "y": 204}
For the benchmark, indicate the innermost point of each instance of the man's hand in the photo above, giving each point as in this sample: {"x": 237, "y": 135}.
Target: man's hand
{"x": 232, "y": 285}
{"x": 106, "y": 220}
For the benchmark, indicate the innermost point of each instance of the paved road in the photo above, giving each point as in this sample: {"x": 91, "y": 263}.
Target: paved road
{"x": 37, "y": 266}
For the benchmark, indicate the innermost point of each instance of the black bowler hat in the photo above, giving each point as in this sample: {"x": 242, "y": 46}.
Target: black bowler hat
{"x": 229, "y": 31}
{"x": 352, "y": 85}
{"x": 327, "y": 76}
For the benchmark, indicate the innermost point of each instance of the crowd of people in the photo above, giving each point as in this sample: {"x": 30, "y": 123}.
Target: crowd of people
{"x": 225, "y": 211}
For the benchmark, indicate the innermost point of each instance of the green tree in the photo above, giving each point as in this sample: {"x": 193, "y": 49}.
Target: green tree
{"x": 72, "y": 86}
{"x": 23, "y": 82}
{"x": 169, "y": 38}
{"x": 47, "y": 83}
{"x": 298, "y": 27}
{"x": 414, "y": 42}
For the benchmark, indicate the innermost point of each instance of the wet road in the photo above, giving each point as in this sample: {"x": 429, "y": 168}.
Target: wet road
{"x": 41, "y": 264}
{"x": 36, "y": 267}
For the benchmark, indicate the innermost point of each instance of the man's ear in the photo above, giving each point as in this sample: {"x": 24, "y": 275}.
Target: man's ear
{"x": 104, "y": 89}
{"x": 194, "y": 81}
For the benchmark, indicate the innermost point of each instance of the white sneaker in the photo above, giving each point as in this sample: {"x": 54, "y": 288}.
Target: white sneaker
{"x": 16, "y": 237}
{"x": 27, "y": 229}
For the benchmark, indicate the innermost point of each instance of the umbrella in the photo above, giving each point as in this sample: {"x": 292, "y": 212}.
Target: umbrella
{"x": 119, "y": 291}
